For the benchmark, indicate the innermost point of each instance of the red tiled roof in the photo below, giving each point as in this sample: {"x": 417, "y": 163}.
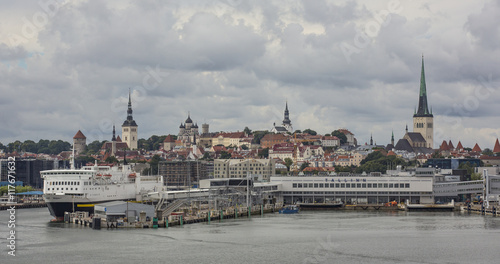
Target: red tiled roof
{"x": 444, "y": 146}
{"x": 496, "y": 149}
{"x": 450, "y": 145}
{"x": 459, "y": 146}
{"x": 476, "y": 148}
{"x": 169, "y": 139}
{"x": 79, "y": 135}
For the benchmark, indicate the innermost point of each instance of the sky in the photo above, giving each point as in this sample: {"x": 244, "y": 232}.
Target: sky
{"x": 68, "y": 65}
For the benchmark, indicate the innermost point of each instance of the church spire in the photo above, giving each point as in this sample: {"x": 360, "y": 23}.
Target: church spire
{"x": 392, "y": 138}
{"x": 114, "y": 137}
{"x": 130, "y": 120}
{"x": 423, "y": 108}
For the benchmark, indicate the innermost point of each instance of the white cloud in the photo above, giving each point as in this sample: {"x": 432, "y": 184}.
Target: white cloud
{"x": 234, "y": 63}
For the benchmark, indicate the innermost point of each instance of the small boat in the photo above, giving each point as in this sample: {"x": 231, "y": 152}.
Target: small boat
{"x": 98, "y": 175}
{"x": 132, "y": 175}
{"x": 107, "y": 176}
{"x": 289, "y": 209}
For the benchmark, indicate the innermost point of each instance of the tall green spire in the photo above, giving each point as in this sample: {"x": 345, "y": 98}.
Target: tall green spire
{"x": 423, "y": 109}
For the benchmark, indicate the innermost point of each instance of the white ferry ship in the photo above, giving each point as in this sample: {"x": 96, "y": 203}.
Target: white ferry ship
{"x": 69, "y": 190}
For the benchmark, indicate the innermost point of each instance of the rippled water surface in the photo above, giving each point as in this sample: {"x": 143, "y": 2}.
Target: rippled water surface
{"x": 308, "y": 237}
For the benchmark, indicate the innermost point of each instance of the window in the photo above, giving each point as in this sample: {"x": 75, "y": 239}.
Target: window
{"x": 342, "y": 185}
{"x": 407, "y": 185}
{"x": 396, "y": 185}
{"x": 321, "y": 185}
{"x": 358, "y": 185}
{"x": 315, "y": 185}
{"x": 348, "y": 185}
{"x": 364, "y": 185}
{"x": 369, "y": 185}
{"x": 386, "y": 185}
{"x": 310, "y": 185}
{"x": 294, "y": 185}
{"x": 299, "y": 185}
{"x": 337, "y": 185}
{"x": 391, "y": 185}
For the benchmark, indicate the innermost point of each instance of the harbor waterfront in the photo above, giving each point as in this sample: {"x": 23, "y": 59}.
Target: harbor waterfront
{"x": 307, "y": 237}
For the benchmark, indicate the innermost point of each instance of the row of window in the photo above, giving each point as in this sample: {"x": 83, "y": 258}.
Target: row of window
{"x": 64, "y": 183}
{"x": 350, "y": 185}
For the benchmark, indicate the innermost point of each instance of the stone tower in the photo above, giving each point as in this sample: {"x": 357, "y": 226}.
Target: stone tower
{"x": 423, "y": 120}
{"x": 129, "y": 127}
{"x": 79, "y": 142}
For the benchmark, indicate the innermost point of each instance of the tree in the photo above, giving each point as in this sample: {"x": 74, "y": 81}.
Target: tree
{"x": 310, "y": 132}
{"x": 206, "y": 156}
{"x": 264, "y": 153}
{"x": 476, "y": 176}
{"x": 304, "y": 165}
{"x": 247, "y": 131}
{"x": 29, "y": 146}
{"x": 244, "y": 147}
{"x": 487, "y": 152}
{"x": 297, "y": 132}
{"x": 111, "y": 159}
{"x": 288, "y": 163}
{"x": 258, "y": 135}
{"x": 342, "y": 137}
{"x": 224, "y": 155}
{"x": 153, "y": 164}
{"x": 437, "y": 155}
{"x": 94, "y": 147}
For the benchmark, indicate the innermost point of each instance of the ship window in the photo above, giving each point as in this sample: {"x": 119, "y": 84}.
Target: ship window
{"x": 396, "y": 185}
{"x": 299, "y": 185}
{"x": 294, "y": 185}
{"x": 390, "y": 185}
{"x": 407, "y": 185}
{"x": 364, "y": 185}
{"x": 386, "y": 185}
{"x": 58, "y": 189}
{"x": 358, "y": 185}
{"x": 337, "y": 185}
{"x": 315, "y": 185}
{"x": 380, "y": 185}
{"x": 342, "y": 185}
{"x": 72, "y": 189}
{"x": 369, "y": 185}
{"x": 321, "y": 185}
{"x": 310, "y": 185}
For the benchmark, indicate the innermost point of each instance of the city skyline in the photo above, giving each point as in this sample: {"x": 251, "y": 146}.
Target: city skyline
{"x": 233, "y": 64}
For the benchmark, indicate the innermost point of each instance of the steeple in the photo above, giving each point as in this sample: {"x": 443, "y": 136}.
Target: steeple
{"x": 286, "y": 120}
{"x": 392, "y": 138}
{"x": 406, "y": 128}
{"x": 423, "y": 108}
{"x": 371, "y": 139}
{"x": 114, "y": 137}
{"x": 130, "y": 120}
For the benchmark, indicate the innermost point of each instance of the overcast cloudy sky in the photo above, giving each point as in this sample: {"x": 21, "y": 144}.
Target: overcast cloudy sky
{"x": 68, "y": 65}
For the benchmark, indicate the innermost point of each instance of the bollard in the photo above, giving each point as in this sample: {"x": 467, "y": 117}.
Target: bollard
{"x": 221, "y": 215}
{"x": 181, "y": 221}
{"x": 235, "y": 213}
{"x": 209, "y": 217}
{"x": 249, "y": 211}
{"x": 166, "y": 222}
{"x": 262, "y": 210}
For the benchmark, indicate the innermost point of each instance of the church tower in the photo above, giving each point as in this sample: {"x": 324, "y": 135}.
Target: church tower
{"x": 287, "y": 124}
{"x": 423, "y": 119}
{"x": 129, "y": 127}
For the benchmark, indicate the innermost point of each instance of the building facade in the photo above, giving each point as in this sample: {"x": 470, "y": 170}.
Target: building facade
{"x": 183, "y": 173}
{"x": 239, "y": 168}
